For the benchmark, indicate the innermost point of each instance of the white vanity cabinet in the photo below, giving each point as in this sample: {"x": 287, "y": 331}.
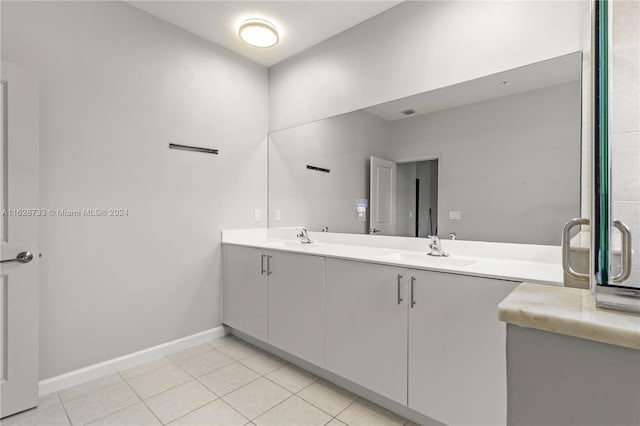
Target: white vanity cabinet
{"x": 366, "y": 326}
{"x": 430, "y": 341}
{"x": 244, "y": 296}
{"x": 276, "y": 297}
{"x": 457, "y": 357}
{"x": 296, "y": 310}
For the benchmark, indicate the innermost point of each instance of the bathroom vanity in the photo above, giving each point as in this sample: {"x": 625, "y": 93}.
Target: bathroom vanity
{"x": 418, "y": 331}
{"x": 570, "y": 362}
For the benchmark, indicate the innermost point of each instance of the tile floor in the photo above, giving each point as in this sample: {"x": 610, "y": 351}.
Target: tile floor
{"x": 223, "y": 382}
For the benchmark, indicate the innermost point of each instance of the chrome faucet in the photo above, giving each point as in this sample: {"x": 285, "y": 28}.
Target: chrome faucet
{"x": 436, "y": 248}
{"x": 303, "y": 236}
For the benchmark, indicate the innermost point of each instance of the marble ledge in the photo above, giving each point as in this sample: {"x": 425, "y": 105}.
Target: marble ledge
{"x": 571, "y": 312}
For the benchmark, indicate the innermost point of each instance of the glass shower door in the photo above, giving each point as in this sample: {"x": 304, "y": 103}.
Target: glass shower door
{"x": 616, "y": 154}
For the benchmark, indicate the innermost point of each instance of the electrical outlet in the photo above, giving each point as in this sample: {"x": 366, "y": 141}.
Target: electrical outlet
{"x": 278, "y": 215}
{"x": 453, "y": 215}
{"x": 257, "y": 215}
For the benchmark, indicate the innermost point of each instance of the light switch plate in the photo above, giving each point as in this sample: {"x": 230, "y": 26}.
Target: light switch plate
{"x": 257, "y": 215}
{"x": 453, "y": 215}
{"x": 277, "y": 214}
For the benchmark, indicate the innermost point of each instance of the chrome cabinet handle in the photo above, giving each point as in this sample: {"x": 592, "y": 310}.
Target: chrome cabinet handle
{"x": 625, "y": 254}
{"x": 413, "y": 300}
{"x": 400, "y": 299}
{"x": 566, "y": 248}
{"x": 262, "y": 264}
{"x": 269, "y": 265}
{"x": 22, "y": 257}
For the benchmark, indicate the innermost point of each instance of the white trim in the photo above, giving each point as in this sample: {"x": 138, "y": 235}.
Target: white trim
{"x": 110, "y": 366}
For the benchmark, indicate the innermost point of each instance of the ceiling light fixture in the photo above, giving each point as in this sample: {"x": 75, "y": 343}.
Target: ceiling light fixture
{"x": 258, "y": 33}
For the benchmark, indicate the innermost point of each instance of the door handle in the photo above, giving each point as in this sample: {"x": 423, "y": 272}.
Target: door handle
{"x": 413, "y": 300}
{"x": 625, "y": 253}
{"x": 269, "y": 265}
{"x": 566, "y": 248}
{"x": 262, "y": 264}
{"x": 399, "y": 284}
{"x": 22, "y": 257}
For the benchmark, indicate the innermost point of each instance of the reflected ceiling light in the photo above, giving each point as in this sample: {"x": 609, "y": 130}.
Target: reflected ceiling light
{"x": 258, "y": 33}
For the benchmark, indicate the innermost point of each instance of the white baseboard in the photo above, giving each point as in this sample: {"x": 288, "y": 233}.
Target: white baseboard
{"x": 100, "y": 369}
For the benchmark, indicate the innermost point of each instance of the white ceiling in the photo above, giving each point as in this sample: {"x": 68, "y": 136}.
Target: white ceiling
{"x": 301, "y": 24}
{"x": 562, "y": 69}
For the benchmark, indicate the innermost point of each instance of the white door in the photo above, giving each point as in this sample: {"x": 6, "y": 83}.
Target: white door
{"x": 18, "y": 234}
{"x": 296, "y": 305}
{"x": 382, "y": 193}
{"x": 244, "y": 299}
{"x": 457, "y": 358}
{"x": 366, "y": 326}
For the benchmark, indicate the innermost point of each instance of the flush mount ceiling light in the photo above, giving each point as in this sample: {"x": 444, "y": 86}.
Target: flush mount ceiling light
{"x": 258, "y": 33}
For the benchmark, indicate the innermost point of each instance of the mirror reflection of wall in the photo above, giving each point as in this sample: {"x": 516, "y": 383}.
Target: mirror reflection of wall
{"x": 480, "y": 162}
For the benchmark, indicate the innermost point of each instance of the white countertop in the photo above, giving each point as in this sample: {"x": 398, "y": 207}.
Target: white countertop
{"x": 569, "y": 311}
{"x": 513, "y": 262}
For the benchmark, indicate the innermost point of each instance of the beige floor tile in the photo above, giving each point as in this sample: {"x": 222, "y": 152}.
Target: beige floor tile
{"x": 86, "y": 388}
{"x": 292, "y": 378}
{"x": 262, "y": 362}
{"x": 335, "y": 422}
{"x": 49, "y": 416}
{"x": 228, "y": 378}
{"x": 216, "y": 413}
{"x": 100, "y": 403}
{"x": 237, "y": 349}
{"x": 145, "y": 368}
{"x": 327, "y": 396}
{"x": 364, "y": 413}
{"x": 216, "y": 343}
{"x": 204, "y": 363}
{"x": 135, "y": 415}
{"x": 49, "y": 400}
{"x": 190, "y": 352}
{"x": 293, "y": 412}
{"x": 179, "y": 401}
{"x": 256, "y": 398}
{"x": 159, "y": 380}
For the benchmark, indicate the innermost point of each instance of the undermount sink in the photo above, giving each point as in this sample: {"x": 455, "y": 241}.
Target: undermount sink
{"x": 291, "y": 244}
{"x": 425, "y": 258}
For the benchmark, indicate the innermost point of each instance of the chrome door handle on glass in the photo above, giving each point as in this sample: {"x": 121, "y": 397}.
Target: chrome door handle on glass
{"x": 22, "y": 257}
{"x": 625, "y": 252}
{"x": 566, "y": 248}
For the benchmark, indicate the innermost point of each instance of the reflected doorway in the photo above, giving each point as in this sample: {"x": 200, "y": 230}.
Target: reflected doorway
{"x": 417, "y": 199}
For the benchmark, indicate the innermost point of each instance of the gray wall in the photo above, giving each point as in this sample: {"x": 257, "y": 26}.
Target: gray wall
{"x": 314, "y": 199}
{"x": 415, "y": 47}
{"x": 118, "y": 85}
{"x": 556, "y": 380}
{"x": 511, "y": 165}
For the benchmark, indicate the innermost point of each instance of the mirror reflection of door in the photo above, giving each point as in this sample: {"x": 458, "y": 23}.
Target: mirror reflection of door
{"x": 417, "y": 199}
{"x": 383, "y": 176}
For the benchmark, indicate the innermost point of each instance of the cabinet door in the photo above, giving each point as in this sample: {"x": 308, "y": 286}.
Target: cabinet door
{"x": 457, "y": 355}
{"x": 296, "y": 305}
{"x": 245, "y": 291}
{"x": 366, "y": 327}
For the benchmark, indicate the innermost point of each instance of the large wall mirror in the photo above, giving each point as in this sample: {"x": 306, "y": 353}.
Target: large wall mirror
{"x": 492, "y": 159}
